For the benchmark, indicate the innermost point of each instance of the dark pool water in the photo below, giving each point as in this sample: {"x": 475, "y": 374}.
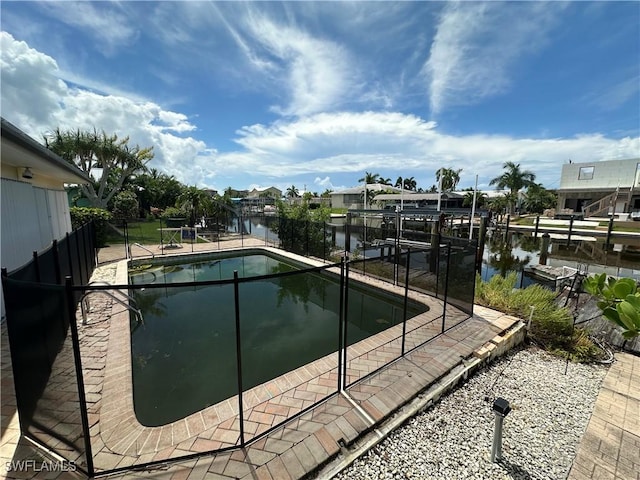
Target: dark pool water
{"x": 184, "y": 354}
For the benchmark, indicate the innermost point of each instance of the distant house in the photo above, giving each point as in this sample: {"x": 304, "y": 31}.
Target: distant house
{"x": 410, "y": 199}
{"x": 258, "y": 198}
{"x": 600, "y": 188}
{"x": 353, "y": 198}
{"x": 35, "y": 206}
{"x": 268, "y": 192}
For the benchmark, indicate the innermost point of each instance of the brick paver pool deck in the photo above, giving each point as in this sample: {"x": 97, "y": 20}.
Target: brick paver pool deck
{"x": 299, "y": 446}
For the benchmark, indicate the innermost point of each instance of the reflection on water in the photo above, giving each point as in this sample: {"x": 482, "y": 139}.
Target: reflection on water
{"x": 184, "y": 354}
{"x": 517, "y": 251}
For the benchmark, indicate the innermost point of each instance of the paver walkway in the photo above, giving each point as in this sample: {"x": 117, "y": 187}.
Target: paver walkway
{"x": 610, "y": 447}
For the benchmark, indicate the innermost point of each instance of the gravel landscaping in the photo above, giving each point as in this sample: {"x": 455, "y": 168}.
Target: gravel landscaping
{"x": 452, "y": 440}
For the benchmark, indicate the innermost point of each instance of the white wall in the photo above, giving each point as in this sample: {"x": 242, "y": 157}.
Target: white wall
{"x": 32, "y": 217}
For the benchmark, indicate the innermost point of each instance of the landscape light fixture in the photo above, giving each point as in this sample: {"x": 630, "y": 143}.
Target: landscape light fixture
{"x": 27, "y": 173}
{"x": 501, "y": 409}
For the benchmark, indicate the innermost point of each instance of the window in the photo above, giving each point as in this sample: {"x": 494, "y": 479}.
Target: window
{"x": 586, "y": 173}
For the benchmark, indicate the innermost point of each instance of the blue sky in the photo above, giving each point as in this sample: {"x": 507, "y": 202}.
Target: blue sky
{"x": 316, "y": 93}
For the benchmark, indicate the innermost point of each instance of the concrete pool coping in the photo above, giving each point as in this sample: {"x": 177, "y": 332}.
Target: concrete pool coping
{"x": 120, "y": 432}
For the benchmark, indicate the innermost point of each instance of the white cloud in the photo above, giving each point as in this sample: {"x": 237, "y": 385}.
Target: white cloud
{"x": 36, "y": 100}
{"x": 316, "y": 72}
{"x": 321, "y": 146}
{"x": 477, "y": 43}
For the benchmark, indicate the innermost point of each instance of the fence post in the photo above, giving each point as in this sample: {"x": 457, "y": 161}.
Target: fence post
{"x": 56, "y": 261}
{"x": 75, "y": 341}
{"x": 341, "y": 317}
{"x": 506, "y": 228}
{"x": 87, "y": 247}
{"x": 406, "y": 299}
{"x": 238, "y": 355}
{"x": 345, "y": 338}
{"x": 36, "y": 264}
{"x": 609, "y": 229}
{"x": 570, "y": 228}
{"x": 79, "y": 258}
{"x": 347, "y": 233}
{"x": 482, "y": 234}
{"x": 70, "y": 261}
{"x": 446, "y": 286}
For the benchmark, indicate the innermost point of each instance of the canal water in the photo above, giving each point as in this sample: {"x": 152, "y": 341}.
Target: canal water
{"x": 502, "y": 256}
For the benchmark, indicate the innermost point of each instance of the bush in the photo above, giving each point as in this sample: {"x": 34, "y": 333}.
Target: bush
{"x": 125, "y": 206}
{"x": 100, "y": 218}
{"x": 172, "y": 212}
{"x": 551, "y": 325}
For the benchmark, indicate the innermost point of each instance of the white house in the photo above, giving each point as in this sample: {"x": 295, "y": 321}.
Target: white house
{"x": 35, "y": 208}
{"x": 353, "y": 198}
{"x": 599, "y": 188}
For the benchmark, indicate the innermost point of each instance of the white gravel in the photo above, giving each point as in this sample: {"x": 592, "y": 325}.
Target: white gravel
{"x": 452, "y": 440}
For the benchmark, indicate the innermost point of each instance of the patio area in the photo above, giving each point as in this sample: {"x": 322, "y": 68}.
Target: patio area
{"x": 292, "y": 450}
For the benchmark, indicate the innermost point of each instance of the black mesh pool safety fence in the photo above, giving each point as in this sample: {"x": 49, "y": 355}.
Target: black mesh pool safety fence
{"x": 44, "y": 346}
{"x": 278, "y": 364}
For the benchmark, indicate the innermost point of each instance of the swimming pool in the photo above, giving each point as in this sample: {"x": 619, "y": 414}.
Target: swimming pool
{"x": 184, "y": 354}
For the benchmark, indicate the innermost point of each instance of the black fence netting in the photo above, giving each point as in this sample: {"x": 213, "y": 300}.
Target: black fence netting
{"x": 461, "y": 266}
{"x": 72, "y": 256}
{"x": 312, "y": 239}
{"x": 45, "y": 372}
{"x": 182, "y": 353}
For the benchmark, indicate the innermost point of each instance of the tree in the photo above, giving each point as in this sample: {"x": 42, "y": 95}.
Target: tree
{"x": 292, "y": 192}
{"x": 514, "y": 179}
{"x": 369, "y": 178}
{"x": 155, "y": 189}
{"x": 481, "y": 199}
{"x": 384, "y": 181}
{"x": 92, "y": 151}
{"x": 538, "y": 198}
{"x": 450, "y": 178}
{"x": 125, "y": 205}
{"x": 406, "y": 183}
{"x": 326, "y": 193}
{"x": 195, "y": 202}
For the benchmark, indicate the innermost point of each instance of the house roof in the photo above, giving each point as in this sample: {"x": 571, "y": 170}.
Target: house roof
{"x": 375, "y": 187}
{"x": 413, "y": 196}
{"x": 20, "y": 150}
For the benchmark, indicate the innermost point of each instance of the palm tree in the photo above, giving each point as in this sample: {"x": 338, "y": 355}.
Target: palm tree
{"x": 369, "y": 178}
{"x": 384, "y": 181}
{"x": 481, "y": 198}
{"x": 406, "y": 183}
{"x": 450, "y": 178}
{"x": 292, "y": 192}
{"x": 539, "y": 198}
{"x": 514, "y": 179}
{"x": 410, "y": 183}
{"x": 195, "y": 202}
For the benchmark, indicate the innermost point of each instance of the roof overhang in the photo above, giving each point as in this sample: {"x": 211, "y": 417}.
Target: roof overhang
{"x": 20, "y": 150}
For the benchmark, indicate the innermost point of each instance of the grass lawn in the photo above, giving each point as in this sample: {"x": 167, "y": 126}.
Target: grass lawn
{"x": 144, "y": 232}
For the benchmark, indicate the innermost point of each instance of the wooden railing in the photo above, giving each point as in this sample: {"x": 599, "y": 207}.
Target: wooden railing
{"x": 600, "y": 207}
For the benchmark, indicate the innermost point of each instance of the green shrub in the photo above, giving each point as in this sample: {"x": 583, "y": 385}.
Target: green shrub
{"x": 125, "y": 206}
{"x": 619, "y": 300}
{"x": 551, "y": 325}
{"x": 100, "y": 218}
{"x": 172, "y": 212}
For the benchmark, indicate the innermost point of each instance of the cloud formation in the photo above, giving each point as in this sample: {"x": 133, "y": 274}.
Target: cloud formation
{"x": 476, "y": 44}
{"x": 304, "y": 94}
